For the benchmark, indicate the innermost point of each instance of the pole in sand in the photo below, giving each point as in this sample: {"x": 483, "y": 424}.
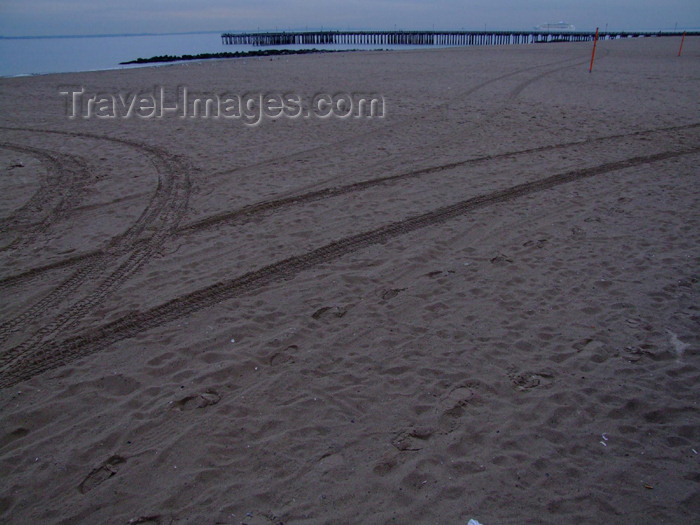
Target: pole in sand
{"x": 681, "y": 49}
{"x": 595, "y": 43}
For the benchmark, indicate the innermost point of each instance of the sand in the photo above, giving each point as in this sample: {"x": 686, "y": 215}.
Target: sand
{"x": 483, "y": 305}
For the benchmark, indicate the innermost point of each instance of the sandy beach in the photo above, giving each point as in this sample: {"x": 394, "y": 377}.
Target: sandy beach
{"x": 481, "y": 304}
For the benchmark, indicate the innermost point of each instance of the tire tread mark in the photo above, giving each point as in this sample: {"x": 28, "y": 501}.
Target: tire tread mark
{"x": 251, "y": 210}
{"x": 60, "y": 190}
{"x": 53, "y": 354}
{"x": 167, "y": 206}
{"x": 374, "y": 134}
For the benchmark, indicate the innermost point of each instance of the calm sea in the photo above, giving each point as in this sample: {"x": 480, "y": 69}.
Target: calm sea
{"x": 30, "y": 56}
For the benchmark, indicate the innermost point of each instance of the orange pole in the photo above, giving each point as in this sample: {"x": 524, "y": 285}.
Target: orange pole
{"x": 681, "y": 49}
{"x": 595, "y": 43}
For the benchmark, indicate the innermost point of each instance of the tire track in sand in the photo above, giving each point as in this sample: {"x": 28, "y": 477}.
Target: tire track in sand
{"x": 163, "y": 213}
{"x": 375, "y": 134}
{"x": 263, "y": 206}
{"x": 24, "y": 363}
{"x": 253, "y": 210}
{"x": 59, "y": 191}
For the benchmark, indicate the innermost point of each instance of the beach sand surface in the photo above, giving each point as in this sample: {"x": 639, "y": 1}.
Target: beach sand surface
{"x": 482, "y": 305}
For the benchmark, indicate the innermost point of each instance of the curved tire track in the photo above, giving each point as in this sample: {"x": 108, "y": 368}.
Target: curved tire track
{"x": 269, "y": 205}
{"x": 70, "y": 318}
{"x": 251, "y": 211}
{"x": 22, "y": 365}
{"x": 164, "y": 211}
{"x": 57, "y": 194}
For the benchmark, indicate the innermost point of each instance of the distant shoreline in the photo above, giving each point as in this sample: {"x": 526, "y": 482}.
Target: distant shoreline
{"x": 236, "y": 54}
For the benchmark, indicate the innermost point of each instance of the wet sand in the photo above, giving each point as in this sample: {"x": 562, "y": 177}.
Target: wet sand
{"x": 482, "y": 305}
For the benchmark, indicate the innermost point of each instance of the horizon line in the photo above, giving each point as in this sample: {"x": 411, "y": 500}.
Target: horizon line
{"x": 321, "y": 28}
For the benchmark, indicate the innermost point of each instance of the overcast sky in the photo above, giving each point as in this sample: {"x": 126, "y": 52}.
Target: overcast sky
{"x": 70, "y": 17}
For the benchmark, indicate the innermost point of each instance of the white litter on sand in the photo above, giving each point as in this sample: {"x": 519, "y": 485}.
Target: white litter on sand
{"x": 678, "y": 345}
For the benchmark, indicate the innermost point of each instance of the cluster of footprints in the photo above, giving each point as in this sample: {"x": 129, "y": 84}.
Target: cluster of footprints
{"x": 445, "y": 419}
{"x": 461, "y": 400}
{"x": 111, "y": 465}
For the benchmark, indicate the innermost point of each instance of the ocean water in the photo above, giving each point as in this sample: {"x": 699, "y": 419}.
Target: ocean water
{"x": 31, "y": 56}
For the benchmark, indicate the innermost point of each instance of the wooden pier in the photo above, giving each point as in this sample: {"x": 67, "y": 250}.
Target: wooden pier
{"x": 425, "y": 38}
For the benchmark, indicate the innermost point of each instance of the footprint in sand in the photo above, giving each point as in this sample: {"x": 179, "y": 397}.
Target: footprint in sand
{"x": 414, "y": 438}
{"x": 501, "y": 259}
{"x": 386, "y": 464}
{"x": 391, "y": 293}
{"x": 330, "y": 462}
{"x": 461, "y": 399}
{"x": 529, "y": 380}
{"x": 539, "y": 243}
{"x": 635, "y": 353}
{"x": 101, "y": 474}
{"x": 454, "y": 405}
{"x": 285, "y": 356}
{"x": 17, "y": 433}
{"x": 588, "y": 345}
{"x": 202, "y": 400}
{"x": 330, "y": 311}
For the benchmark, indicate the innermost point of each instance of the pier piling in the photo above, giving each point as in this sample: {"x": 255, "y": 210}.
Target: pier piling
{"x": 428, "y": 38}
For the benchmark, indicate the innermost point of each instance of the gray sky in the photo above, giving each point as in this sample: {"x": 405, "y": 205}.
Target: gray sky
{"x": 69, "y": 17}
